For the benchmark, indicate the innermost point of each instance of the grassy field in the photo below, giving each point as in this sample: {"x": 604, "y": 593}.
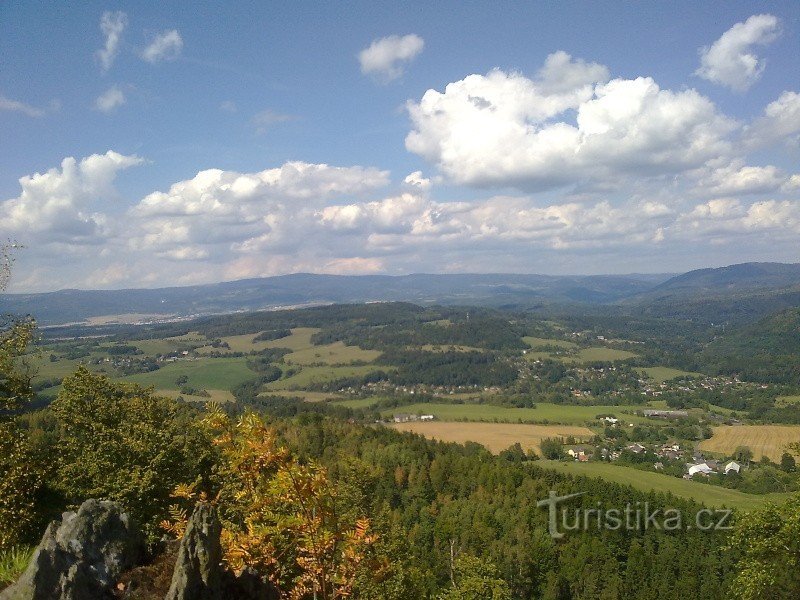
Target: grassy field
{"x": 357, "y": 402}
{"x": 216, "y": 396}
{"x": 309, "y": 375}
{"x": 331, "y": 354}
{"x": 662, "y": 374}
{"x": 786, "y": 400}
{"x": 587, "y": 355}
{"x": 763, "y": 440}
{"x": 450, "y": 348}
{"x": 203, "y": 373}
{"x": 711, "y": 495}
{"x": 303, "y": 395}
{"x": 167, "y": 345}
{"x": 299, "y": 340}
{"x": 553, "y": 413}
{"x": 495, "y": 436}
{"x": 536, "y": 342}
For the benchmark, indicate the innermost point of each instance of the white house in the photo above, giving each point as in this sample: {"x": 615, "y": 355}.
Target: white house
{"x": 732, "y": 466}
{"x": 702, "y": 468}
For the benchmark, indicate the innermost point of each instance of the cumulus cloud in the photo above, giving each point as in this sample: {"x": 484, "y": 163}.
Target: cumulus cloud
{"x": 58, "y": 205}
{"x": 730, "y": 61}
{"x": 780, "y": 121}
{"x": 728, "y": 217}
{"x": 737, "y": 178}
{"x": 110, "y": 100}
{"x": 417, "y": 181}
{"x": 504, "y": 129}
{"x": 304, "y": 217}
{"x": 164, "y": 46}
{"x": 20, "y": 107}
{"x": 386, "y": 58}
{"x": 112, "y": 24}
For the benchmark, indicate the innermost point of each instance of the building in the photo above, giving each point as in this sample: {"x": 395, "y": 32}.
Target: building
{"x": 666, "y": 414}
{"x": 702, "y": 469}
{"x": 732, "y": 466}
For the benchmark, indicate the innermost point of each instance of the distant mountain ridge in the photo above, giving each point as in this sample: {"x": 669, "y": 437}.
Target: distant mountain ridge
{"x": 659, "y": 294}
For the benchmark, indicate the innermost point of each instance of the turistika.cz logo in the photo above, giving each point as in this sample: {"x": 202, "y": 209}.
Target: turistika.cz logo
{"x": 634, "y": 516}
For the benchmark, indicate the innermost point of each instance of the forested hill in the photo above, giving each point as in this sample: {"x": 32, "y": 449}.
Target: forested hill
{"x": 307, "y": 289}
{"x": 736, "y": 294}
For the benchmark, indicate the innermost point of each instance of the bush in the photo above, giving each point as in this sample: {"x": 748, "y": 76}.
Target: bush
{"x": 121, "y": 442}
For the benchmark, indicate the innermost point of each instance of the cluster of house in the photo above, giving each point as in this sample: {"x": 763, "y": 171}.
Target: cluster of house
{"x": 665, "y": 414}
{"x": 406, "y": 418}
{"x": 703, "y": 467}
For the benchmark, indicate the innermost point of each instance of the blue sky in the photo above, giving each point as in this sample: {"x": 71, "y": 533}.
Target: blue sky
{"x": 181, "y": 143}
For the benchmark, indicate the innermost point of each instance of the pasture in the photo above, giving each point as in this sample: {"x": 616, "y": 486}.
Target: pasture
{"x": 220, "y": 396}
{"x": 357, "y": 403}
{"x": 494, "y": 436}
{"x": 168, "y": 345}
{"x": 763, "y": 440}
{"x": 537, "y": 342}
{"x": 300, "y": 339}
{"x": 662, "y": 374}
{"x": 710, "y": 495}
{"x": 600, "y": 353}
{"x": 303, "y": 395}
{"x": 787, "y": 400}
{"x": 331, "y": 354}
{"x": 311, "y": 375}
{"x": 203, "y": 373}
{"x": 568, "y": 355}
{"x": 551, "y": 413}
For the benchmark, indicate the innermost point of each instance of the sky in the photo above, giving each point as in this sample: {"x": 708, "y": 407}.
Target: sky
{"x": 161, "y": 144}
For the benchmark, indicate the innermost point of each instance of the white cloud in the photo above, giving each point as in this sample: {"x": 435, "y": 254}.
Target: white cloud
{"x": 164, "y": 46}
{"x": 417, "y": 181}
{"x": 303, "y": 217}
{"x": 56, "y": 206}
{"x": 112, "y": 24}
{"x": 728, "y": 219}
{"x": 21, "y": 107}
{"x": 503, "y": 129}
{"x": 780, "y": 121}
{"x": 110, "y": 100}
{"x": 247, "y": 211}
{"x": 730, "y": 61}
{"x": 563, "y": 74}
{"x": 737, "y": 178}
{"x": 386, "y": 58}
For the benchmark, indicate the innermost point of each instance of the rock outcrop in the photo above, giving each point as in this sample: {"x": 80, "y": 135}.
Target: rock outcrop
{"x": 82, "y": 556}
{"x": 197, "y": 574}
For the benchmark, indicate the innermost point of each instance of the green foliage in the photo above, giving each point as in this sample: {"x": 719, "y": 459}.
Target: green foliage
{"x": 13, "y": 562}
{"x": 476, "y": 579}
{"x": 20, "y": 482}
{"x": 552, "y": 448}
{"x": 788, "y": 463}
{"x": 15, "y": 382}
{"x": 769, "y": 543}
{"x": 119, "y": 441}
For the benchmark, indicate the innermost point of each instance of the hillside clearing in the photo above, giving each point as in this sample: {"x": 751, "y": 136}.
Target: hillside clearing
{"x": 662, "y": 374}
{"x": 494, "y": 436}
{"x": 331, "y": 354}
{"x": 763, "y": 440}
{"x": 710, "y": 495}
{"x": 552, "y": 413}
